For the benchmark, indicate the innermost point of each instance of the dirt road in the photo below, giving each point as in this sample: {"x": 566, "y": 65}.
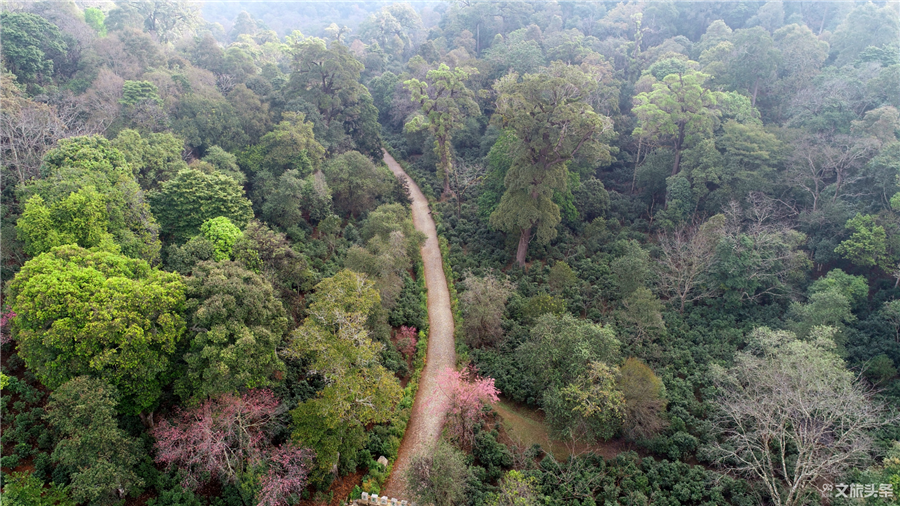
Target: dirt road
{"x": 426, "y": 421}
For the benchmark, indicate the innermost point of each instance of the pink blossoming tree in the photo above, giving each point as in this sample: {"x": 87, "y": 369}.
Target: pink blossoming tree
{"x": 229, "y": 436}
{"x": 466, "y": 393}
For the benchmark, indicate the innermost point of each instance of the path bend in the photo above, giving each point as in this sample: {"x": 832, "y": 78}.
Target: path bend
{"x": 429, "y": 408}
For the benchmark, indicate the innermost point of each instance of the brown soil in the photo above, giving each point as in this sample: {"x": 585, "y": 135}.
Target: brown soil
{"x": 429, "y": 407}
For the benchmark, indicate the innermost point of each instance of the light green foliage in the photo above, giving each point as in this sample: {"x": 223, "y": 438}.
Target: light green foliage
{"x": 679, "y": 108}
{"x": 561, "y": 277}
{"x": 185, "y": 202}
{"x": 552, "y": 119}
{"x": 237, "y": 323}
{"x": 95, "y": 18}
{"x": 867, "y": 245}
{"x": 855, "y": 288}
{"x": 590, "y": 406}
{"x": 516, "y": 489}
{"x": 166, "y": 21}
{"x": 880, "y": 370}
{"x": 355, "y": 182}
{"x": 99, "y": 314}
{"x": 103, "y": 456}
{"x": 560, "y": 348}
{"x": 391, "y": 245}
{"x": 135, "y": 92}
{"x": 359, "y": 390}
{"x": 78, "y": 163}
{"x": 539, "y": 305}
{"x": 866, "y": 25}
{"x": 24, "y": 489}
{"x": 644, "y": 396}
{"x": 444, "y": 101}
{"x": 78, "y": 219}
{"x": 642, "y": 313}
{"x": 222, "y": 233}
{"x": 153, "y": 158}
{"x": 30, "y": 44}
{"x": 631, "y": 269}
{"x": 225, "y": 162}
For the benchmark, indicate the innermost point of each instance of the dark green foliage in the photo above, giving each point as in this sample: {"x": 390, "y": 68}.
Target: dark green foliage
{"x": 409, "y": 309}
{"x": 30, "y": 46}
{"x": 192, "y": 197}
{"x": 102, "y": 455}
{"x": 494, "y": 456}
{"x": 236, "y": 323}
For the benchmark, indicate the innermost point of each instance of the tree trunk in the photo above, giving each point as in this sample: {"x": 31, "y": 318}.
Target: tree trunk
{"x": 147, "y": 419}
{"x": 522, "y": 250}
{"x": 446, "y": 182}
{"x": 678, "y": 142}
{"x": 755, "y": 89}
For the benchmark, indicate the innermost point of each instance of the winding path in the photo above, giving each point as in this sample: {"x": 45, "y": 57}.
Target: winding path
{"x": 428, "y": 409}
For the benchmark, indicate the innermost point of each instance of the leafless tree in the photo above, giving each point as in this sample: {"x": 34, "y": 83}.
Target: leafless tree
{"x": 687, "y": 254}
{"x": 483, "y": 304}
{"x": 791, "y": 415}
{"x": 466, "y": 176}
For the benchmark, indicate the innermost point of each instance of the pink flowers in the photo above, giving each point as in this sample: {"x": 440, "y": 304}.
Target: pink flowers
{"x": 5, "y": 336}
{"x": 466, "y": 393}
{"x": 227, "y": 436}
{"x": 406, "y": 341}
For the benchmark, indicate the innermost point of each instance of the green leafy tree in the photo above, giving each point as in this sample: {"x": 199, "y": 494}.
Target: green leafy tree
{"x": 81, "y": 162}
{"x": 326, "y": 76}
{"x": 359, "y": 390}
{"x": 516, "y": 489}
{"x": 25, "y": 489}
{"x": 679, "y": 108}
{"x": 103, "y": 456}
{"x": 225, "y": 162}
{"x": 205, "y": 122}
{"x": 444, "y": 101}
{"x": 290, "y": 146}
{"x": 80, "y": 218}
{"x": 30, "y": 45}
{"x": 153, "y": 158}
{"x": 185, "y": 202}
{"x": 645, "y": 401}
{"x": 483, "y": 305}
{"x": 559, "y": 350}
{"x": 236, "y": 324}
{"x": 355, "y": 182}
{"x": 551, "y": 118}
{"x": 99, "y": 314}
{"x": 95, "y": 18}
{"x": 165, "y": 21}
{"x": 222, "y": 233}
{"x": 867, "y": 245}
{"x": 590, "y": 406}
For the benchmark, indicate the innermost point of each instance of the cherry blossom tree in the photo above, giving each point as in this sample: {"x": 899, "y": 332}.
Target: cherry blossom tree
{"x": 466, "y": 393}
{"x": 226, "y": 438}
{"x": 406, "y": 341}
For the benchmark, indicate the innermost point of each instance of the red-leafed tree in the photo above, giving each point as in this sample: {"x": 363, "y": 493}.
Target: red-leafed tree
{"x": 287, "y": 475}
{"x": 226, "y": 438}
{"x": 466, "y": 393}
{"x": 406, "y": 341}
